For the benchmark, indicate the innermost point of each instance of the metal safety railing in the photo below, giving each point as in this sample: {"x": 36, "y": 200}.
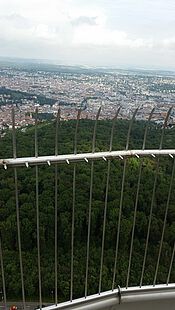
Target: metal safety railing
{"x": 116, "y": 294}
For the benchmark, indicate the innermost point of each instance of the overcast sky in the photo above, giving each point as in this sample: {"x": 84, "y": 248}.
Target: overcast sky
{"x": 139, "y": 33}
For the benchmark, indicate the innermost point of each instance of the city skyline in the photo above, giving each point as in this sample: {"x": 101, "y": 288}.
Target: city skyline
{"x": 94, "y": 33}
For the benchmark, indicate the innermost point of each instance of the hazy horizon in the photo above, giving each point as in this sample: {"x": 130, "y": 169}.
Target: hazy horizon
{"x": 54, "y": 62}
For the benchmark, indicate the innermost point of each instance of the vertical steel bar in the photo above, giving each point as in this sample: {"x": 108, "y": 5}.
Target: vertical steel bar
{"x": 3, "y": 276}
{"x": 56, "y": 234}
{"x": 164, "y": 126}
{"x": 121, "y": 200}
{"x": 130, "y": 127}
{"x": 90, "y": 202}
{"x": 17, "y": 210}
{"x": 147, "y": 126}
{"x": 36, "y": 133}
{"x": 13, "y": 133}
{"x": 171, "y": 264}
{"x": 112, "y": 130}
{"x": 106, "y": 202}
{"x": 136, "y": 200}
{"x": 56, "y": 131}
{"x": 37, "y": 208}
{"x": 153, "y": 197}
{"x": 95, "y": 129}
{"x": 56, "y": 209}
{"x": 73, "y": 208}
{"x": 104, "y": 225}
{"x": 164, "y": 224}
{"x": 149, "y": 223}
{"x": 76, "y": 131}
{"x": 19, "y": 237}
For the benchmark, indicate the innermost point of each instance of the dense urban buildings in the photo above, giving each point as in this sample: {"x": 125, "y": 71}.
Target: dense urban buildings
{"x": 71, "y": 88}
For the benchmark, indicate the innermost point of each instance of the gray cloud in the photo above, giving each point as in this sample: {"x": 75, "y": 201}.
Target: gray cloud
{"x": 84, "y": 20}
{"x": 102, "y": 32}
{"x": 16, "y": 21}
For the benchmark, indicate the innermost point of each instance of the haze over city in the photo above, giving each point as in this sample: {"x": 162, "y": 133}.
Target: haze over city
{"x": 127, "y": 33}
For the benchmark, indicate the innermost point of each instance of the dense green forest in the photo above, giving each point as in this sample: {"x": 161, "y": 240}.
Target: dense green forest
{"x": 16, "y": 96}
{"x": 27, "y": 207}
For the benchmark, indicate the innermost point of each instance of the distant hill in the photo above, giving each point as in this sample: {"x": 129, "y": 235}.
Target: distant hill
{"x": 54, "y": 66}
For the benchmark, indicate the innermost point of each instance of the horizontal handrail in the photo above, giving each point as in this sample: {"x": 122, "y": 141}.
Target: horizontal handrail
{"x": 69, "y": 158}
